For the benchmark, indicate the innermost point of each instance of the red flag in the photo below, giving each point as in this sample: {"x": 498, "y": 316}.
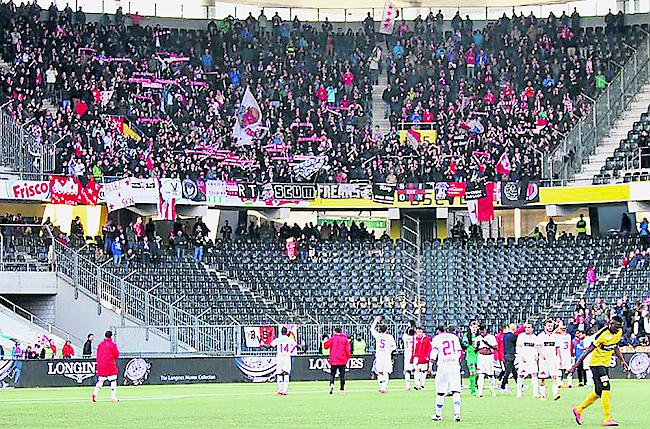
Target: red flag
{"x": 90, "y": 194}
{"x": 486, "y": 204}
{"x": 503, "y": 166}
{"x": 267, "y": 335}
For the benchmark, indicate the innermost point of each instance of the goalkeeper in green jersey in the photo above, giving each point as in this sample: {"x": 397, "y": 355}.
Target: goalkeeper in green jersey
{"x": 470, "y": 354}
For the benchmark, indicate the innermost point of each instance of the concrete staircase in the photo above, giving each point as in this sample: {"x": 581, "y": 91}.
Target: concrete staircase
{"x": 378, "y": 104}
{"x": 618, "y": 132}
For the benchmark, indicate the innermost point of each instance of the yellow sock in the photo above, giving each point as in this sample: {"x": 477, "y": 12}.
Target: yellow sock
{"x": 607, "y": 412}
{"x": 590, "y": 400}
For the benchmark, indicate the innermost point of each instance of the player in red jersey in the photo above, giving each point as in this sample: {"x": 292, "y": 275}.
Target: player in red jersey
{"x": 421, "y": 356}
{"x": 107, "y": 354}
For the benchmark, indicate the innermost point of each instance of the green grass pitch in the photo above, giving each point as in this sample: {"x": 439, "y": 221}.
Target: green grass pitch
{"x": 307, "y": 406}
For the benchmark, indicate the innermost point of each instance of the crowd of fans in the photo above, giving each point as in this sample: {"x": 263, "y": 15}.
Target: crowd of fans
{"x": 589, "y": 318}
{"x": 44, "y": 347}
{"x": 140, "y": 242}
{"x": 511, "y": 88}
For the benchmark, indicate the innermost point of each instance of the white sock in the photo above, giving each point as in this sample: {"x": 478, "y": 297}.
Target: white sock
{"x": 535, "y": 383}
{"x": 542, "y": 388}
{"x": 285, "y": 384}
{"x": 98, "y": 386}
{"x": 492, "y": 384}
{"x": 407, "y": 379}
{"x": 569, "y": 380}
{"x": 440, "y": 404}
{"x": 456, "y": 398}
{"x": 555, "y": 387}
{"x": 520, "y": 386}
{"x": 416, "y": 378}
{"x": 114, "y": 389}
{"x": 386, "y": 379}
{"x": 423, "y": 378}
{"x": 480, "y": 384}
{"x": 280, "y": 380}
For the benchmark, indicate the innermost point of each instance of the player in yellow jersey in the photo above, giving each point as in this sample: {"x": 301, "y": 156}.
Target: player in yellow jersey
{"x": 604, "y": 345}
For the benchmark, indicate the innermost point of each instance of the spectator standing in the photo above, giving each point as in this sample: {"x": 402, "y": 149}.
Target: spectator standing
{"x": 581, "y": 227}
{"x": 180, "y": 243}
{"x": 339, "y": 347}
{"x": 199, "y": 243}
{"x": 226, "y": 231}
{"x": 107, "y": 354}
{"x": 551, "y": 230}
{"x": 88, "y": 346}
{"x": 68, "y": 350}
{"x": 591, "y": 276}
{"x": 116, "y": 250}
{"x": 16, "y": 352}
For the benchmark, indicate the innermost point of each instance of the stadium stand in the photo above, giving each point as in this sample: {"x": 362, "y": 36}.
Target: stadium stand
{"x": 632, "y": 154}
{"x": 167, "y": 106}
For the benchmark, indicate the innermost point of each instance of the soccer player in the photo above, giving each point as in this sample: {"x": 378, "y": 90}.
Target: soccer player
{"x": 485, "y": 344}
{"x": 447, "y": 351}
{"x": 527, "y": 360}
{"x": 566, "y": 357}
{"x": 285, "y": 346}
{"x": 407, "y": 340}
{"x": 470, "y": 354}
{"x": 605, "y": 344}
{"x": 548, "y": 351}
{"x": 107, "y": 354}
{"x": 384, "y": 347}
{"x": 421, "y": 356}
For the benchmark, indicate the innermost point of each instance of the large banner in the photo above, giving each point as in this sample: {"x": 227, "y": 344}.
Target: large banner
{"x": 118, "y": 194}
{"x": 139, "y": 371}
{"x": 144, "y": 191}
{"x": 30, "y": 190}
{"x": 64, "y": 190}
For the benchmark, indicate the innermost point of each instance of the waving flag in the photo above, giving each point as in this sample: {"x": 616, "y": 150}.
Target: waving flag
{"x": 503, "y": 166}
{"x": 388, "y": 18}
{"x": 248, "y": 119}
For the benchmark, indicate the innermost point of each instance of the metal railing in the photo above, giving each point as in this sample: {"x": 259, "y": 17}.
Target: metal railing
{"x": 124, "y": 298}
{"x": 230, "y": 340}
{"x": 413, "y": 262}
{"x": 20, "y": 150}
{"x": 582, "y": 141}
{"x": 47, "y": 326}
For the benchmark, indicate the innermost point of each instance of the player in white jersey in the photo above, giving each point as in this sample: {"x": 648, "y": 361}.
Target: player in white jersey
{"x": 485, "y": 344}
{"x": 447, "y": 352}
{"x": 384, "y": 347}
{"x": 548, "y": 348}
{"x": 566, "y": 356}
{"x": 285, "y": 347}
{"x": 526, "y": 360}
{"x": 407, "y": 341}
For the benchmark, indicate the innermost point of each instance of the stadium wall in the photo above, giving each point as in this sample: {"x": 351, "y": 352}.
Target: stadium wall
{"x": 256, "y": 369}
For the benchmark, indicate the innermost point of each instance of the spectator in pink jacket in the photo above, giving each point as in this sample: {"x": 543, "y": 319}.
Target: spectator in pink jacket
{"x": 339, "y": 347}
{"x": 591, "y": 276}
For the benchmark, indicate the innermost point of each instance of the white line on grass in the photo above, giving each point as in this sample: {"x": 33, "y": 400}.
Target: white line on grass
{"x": 173, "y": 397}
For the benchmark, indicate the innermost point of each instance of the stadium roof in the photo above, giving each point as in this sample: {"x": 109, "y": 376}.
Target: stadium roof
{"x": 368, "y": 4}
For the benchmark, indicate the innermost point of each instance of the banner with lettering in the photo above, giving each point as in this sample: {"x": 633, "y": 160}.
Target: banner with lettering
{"x": 337, "y": 191}
{"x": 118, "y": 194}
{"x": 31, "y": 190}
